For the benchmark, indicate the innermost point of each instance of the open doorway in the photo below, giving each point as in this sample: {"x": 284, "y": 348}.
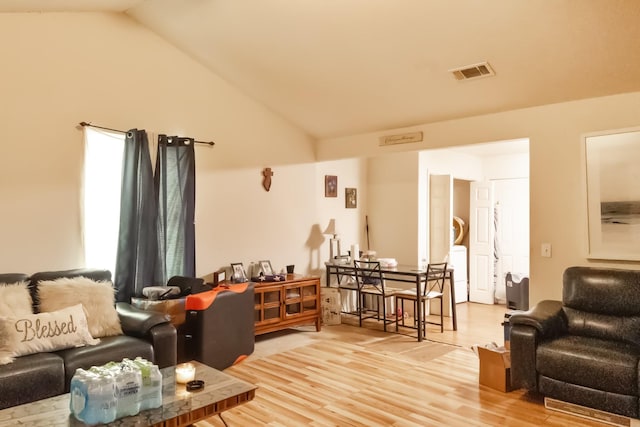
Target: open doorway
{"x": 490, "y": 194}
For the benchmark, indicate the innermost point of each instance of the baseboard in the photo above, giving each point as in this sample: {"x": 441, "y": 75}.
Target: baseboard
{"x": 590, "y": 413}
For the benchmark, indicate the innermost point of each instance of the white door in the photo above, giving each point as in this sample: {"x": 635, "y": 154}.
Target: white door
{"x": 440, "y": 216}
{"x": 481, "y": 243}
{"x": 512, "y": 200}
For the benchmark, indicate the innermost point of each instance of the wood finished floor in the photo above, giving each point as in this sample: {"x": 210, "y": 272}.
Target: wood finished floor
{"x": 351, "y": 376}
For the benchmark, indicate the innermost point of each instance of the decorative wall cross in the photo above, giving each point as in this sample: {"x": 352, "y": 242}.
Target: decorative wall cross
{"x": 266, "y": 182}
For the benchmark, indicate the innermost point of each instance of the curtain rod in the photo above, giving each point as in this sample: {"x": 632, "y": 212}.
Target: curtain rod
{"x": 211, "y": 143}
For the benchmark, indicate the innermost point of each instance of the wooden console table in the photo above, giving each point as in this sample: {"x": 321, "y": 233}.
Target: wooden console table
{"x": 281, "y": 305}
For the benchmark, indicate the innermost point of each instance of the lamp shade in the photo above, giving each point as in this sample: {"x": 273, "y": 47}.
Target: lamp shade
{"x": 331, "y": 228}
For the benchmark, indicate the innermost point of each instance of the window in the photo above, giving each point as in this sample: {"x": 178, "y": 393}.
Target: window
{"x": 101, "y": 199}
{"x": 158, "y": 242}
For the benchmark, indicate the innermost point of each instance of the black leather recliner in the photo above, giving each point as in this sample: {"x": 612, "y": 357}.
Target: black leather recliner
{"x": 584, "y": 349}
{"x": 41, "y": 375}
{"x": 220, "y": 325}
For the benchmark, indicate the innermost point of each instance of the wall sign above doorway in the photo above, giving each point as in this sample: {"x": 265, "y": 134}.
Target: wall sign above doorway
{"x": 403, "y": 138}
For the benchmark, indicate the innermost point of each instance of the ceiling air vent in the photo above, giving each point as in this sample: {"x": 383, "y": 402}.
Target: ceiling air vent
{"x": 474, "y": 71}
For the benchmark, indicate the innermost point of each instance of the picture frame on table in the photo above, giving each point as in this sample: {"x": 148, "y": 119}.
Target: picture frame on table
{"x": 265, "y": 268}
{"x": 238, "y": 274}
{"x": 219, "y": 276}
{"x": 330, "y": 186}
{"x": 613, "y": 203}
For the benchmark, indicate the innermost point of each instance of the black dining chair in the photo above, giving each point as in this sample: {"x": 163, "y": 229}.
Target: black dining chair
{"x": 433, "y": 289}
{"x": 371, "y": 283}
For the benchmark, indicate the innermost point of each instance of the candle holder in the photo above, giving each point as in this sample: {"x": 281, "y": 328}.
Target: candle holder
{"x": 185, "y": 372}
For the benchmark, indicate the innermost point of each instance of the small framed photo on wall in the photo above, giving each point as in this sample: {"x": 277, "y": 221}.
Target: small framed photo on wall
{"x": 330, "y": 186}
{"x": 350, "y": 198}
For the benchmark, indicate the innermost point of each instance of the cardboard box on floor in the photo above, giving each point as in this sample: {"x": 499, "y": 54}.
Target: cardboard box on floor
{"x": 495, "y": 368}
{"x": 330, "y": 306}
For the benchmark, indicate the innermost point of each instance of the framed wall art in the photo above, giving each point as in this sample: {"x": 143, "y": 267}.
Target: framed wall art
{"x": 612, "y": 175}
{"x": 350, "y": 198}
{"x": 330, "y": 186}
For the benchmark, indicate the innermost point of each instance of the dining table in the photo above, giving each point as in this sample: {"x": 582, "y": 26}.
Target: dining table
{"x": 404, "y": 273}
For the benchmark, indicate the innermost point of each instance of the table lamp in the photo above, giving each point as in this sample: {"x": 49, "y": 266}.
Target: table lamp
{"x": 333, "y": 241}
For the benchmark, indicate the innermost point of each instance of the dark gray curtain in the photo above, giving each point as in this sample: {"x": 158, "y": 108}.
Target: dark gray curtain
{"x": 175, "y": 189}
{"x": 137, "y": 244}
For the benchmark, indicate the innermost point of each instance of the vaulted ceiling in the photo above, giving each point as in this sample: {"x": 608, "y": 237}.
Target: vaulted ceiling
{"x": 340, "y": 67}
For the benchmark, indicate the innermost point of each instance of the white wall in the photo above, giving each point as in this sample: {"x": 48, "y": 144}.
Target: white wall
{"x": 508, "y": 166}
{"x": 62, "y": 68}
{"x": 459, "y": 165}
{"x": 283, "y": 225}
{"x": 350, "y": 223}
{"x": 393, "y": 192}
{"x": 557, "y": 202}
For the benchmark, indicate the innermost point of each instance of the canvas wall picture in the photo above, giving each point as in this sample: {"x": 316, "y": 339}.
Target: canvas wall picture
{"x": 613, "y": 194}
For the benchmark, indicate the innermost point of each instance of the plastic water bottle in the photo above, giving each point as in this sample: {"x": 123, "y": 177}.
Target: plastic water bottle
{"x": 151, "y": 392}
{"x": 154, "y": 395}
{"x": 128, "y": 381}
{"x": 79, "y": 395}
{"x": 93, "y": 399}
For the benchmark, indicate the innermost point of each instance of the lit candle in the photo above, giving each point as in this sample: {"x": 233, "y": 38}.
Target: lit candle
{"x": 185, "y": 372}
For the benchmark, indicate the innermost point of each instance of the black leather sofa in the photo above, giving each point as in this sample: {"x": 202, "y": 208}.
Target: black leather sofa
{"x": 38, "y": 376}
{"x": 584, "y": 349}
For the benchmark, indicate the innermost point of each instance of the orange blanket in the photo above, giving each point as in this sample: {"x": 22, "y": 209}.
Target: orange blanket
{"x": 203, "y": 300}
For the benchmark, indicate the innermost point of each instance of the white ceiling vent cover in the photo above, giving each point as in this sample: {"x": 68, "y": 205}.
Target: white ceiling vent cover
{"x": 469, "y": 72}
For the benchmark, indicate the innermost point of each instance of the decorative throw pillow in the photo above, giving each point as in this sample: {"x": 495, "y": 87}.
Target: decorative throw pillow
{"x": 15, "y": 299}
{"x": 35, "y": 333}
{"x": 98, "y": 299}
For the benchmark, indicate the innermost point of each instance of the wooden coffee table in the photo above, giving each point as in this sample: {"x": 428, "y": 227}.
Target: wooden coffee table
{"x": 179, "y": 407}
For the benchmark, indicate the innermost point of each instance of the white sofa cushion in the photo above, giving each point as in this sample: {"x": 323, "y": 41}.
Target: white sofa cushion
{"x": 98, "y": 299}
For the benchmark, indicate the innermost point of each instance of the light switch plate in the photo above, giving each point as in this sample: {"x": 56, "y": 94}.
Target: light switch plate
{"x": 545, "y": 250}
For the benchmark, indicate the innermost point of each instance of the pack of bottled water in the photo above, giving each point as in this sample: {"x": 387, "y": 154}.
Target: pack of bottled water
{"x": 105, "y": 393}
{"x": 128, "y": 384}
